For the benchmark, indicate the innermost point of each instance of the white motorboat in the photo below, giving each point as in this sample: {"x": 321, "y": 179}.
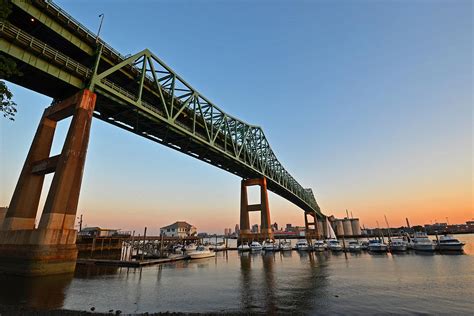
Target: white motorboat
{"x": 255, "y": 246}
{"x": 448, "y": 242}
{"x": 320, "y": 245}
{"x": 201, "y": 252}
{"x": 302, "y": 245}
{"x": 243, "y": 247}
{"x": 177, "y": 249}
{"x": 353, "y": 246}
{"x": 285, "y": 246}
{"x": 376, "y": 245}
{"x": 331, "y": 241}
{"x": 190, "y": 247}
{"x": 334, "y": 245}
{"x": 220, "y": 246}
{"x": 269, "y": 245}
{"x": 421, "y": 242}
{"x": 398, "y": 244}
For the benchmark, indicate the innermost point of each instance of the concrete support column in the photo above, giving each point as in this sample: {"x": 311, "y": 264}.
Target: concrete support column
{"x": 50, "y": 248}
{"x": 266, "y": 226}
{"x": 311, "y": 226}
{"x": 61, "y": 204}
{"x": 263, "y": 207}
{"x": 244, "y": 212}
{"x": 23, "y": 207}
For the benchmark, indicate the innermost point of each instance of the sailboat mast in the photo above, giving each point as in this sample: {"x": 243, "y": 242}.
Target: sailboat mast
{"x": 388, "y": 226}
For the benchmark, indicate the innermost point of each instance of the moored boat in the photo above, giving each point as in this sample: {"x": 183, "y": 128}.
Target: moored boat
{"x": 354, "y": 246}
{"x": 270, "y": 245}
{"x": 243, "y": 247}
{"x": 285, "y": 246}
{"x": 376, "y": 245}
{"x": 255, "y": 246}
{"x": 302, "y": 245}
{"x": 449, "y": 243}
{"x": 421, "y": 242}
{"x": 201, "y": 252}
{"x": 398, "y": 244}
{"x": 320, "y": 245}
{"x": 190, "y": 247}
{"x": 334, "y": 245}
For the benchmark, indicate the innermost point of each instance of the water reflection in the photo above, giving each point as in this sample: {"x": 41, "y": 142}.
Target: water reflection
{"x": 265, "y": 287}
{"x": 272, "y": 283}
{"x": 34, "y": 292}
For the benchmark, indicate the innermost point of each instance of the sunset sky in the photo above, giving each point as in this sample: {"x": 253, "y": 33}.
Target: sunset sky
{"x": 369, "y": 103}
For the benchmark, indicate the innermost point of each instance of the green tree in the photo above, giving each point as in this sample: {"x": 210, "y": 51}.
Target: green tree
{"x": 7, "y": 68}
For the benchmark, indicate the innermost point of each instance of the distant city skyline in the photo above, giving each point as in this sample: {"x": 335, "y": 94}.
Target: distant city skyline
{"x": 368, "y": 103}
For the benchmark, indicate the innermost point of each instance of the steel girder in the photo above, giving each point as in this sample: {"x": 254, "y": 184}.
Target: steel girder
{"x": 155, "y": 89}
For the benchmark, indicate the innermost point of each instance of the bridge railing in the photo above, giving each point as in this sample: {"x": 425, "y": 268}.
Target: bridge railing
{"x": 47, "y": 52}
{"x": 72, "y": 21}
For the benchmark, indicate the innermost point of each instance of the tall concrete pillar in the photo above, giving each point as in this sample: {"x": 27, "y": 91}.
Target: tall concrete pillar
{"x": 311, "y": 226}
{"x": 244, "y": 213}
{"x": 50, "y": 248}
{"x": 263, "y": 207}
{"x": 24, "y": 204}
{"x": 266, "y": 226}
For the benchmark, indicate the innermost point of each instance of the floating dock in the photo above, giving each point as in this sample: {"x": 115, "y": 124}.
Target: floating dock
{"x": 130, "y": 263}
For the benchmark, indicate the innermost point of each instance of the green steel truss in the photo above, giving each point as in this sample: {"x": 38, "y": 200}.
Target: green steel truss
{"x": 160, "y": 92}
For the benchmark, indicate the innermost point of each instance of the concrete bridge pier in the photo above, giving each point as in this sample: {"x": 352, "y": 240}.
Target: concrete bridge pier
{"x": 263, "y": 207}
{"x": 311, "y": 226}
{"x": 49, "y": 248}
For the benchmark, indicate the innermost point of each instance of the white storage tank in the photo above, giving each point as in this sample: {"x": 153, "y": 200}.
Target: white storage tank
{"x": 320, "y": 228}
{"x": 346, "y": 223}
{"x": 356, "y": 227}
{"x": 339, "y": 228}
{"x": 325, "y": 228}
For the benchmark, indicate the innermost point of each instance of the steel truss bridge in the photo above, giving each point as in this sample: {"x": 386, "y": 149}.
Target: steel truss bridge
{"x": 59, "y": 57}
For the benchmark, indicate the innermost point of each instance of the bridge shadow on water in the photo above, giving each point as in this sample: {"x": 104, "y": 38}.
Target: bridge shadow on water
{"x": 37, "y": 293}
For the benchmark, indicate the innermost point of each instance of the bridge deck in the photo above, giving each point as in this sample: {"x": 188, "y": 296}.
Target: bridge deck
{"x": 141, "y": 94}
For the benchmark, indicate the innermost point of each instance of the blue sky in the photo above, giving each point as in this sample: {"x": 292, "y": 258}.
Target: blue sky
{"x": 367, "y": 102}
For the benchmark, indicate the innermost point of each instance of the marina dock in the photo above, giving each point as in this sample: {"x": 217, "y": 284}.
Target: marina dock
{"x": 130, "y": 263}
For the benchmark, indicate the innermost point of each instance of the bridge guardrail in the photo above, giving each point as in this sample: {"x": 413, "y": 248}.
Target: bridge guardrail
{"x": 46, "y": 51}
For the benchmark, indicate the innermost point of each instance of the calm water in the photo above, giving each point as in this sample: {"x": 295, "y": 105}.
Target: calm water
{"x": 265, "y": 283}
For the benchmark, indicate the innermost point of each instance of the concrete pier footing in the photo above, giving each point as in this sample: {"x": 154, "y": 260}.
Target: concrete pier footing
{"x": 49, "y": 248}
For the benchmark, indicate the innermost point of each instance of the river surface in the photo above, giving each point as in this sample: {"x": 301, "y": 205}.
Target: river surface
{"x": 271, "y": 283}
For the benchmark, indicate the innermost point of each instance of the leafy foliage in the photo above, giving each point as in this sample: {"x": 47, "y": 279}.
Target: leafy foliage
{"x": 7, "y": 106}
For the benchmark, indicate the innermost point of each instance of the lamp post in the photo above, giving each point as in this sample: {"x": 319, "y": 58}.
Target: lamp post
{"x": 101, "y": 16}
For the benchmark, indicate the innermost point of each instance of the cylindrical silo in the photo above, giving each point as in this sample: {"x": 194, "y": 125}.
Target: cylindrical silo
{"x": 320, "y": 228}
{"x": 339, "y": 228}
{"x": 355, "y": 227}
{"x": 325, "y": 228}
{"x": 346, "y": 223}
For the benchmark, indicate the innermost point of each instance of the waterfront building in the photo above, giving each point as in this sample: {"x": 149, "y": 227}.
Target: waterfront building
{"x": 178, "y": 229}
{"x": 237, "y": 229}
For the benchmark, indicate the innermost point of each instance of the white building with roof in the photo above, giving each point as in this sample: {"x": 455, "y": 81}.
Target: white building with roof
{"x": 178, "y": 229}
